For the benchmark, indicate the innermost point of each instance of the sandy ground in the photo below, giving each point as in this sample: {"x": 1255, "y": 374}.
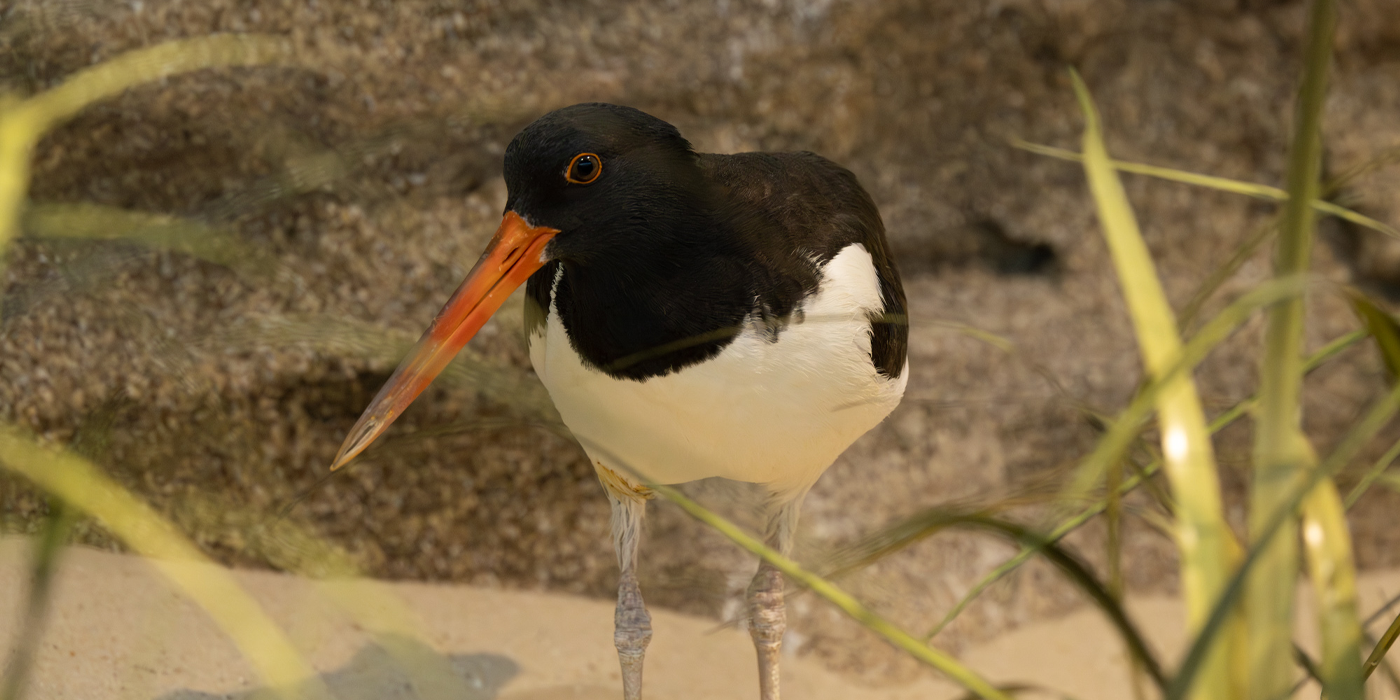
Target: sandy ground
{"x": 118, "y": 630}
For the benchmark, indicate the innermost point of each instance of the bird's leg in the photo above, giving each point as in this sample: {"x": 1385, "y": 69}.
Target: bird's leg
{"x": 632, "y": 633}
{"x": 632, "y": 623}
{"x": 767, "y": 623}
{"x": 767, "y": 613}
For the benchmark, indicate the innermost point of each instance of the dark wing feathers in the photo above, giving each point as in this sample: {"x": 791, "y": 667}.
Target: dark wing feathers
{"x": 797, "y": 211}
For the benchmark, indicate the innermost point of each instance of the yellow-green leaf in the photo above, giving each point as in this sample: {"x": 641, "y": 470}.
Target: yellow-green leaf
{"x": 1382, "y": 326}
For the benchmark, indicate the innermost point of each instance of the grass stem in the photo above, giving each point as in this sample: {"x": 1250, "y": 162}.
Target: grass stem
{"x": 76, "y": 481}
{"x": 1281, "y": 453}
{"x": 1327, "y": 548}
{"x": 47, "y": 548}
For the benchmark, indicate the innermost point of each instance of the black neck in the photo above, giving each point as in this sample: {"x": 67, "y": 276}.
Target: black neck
{"x": 674, "y": 298}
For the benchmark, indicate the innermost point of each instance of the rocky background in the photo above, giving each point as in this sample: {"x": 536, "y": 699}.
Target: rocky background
{"x": 218, "y": 271}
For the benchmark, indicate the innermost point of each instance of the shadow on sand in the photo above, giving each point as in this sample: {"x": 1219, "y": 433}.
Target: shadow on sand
{"x": 398, "y": 668}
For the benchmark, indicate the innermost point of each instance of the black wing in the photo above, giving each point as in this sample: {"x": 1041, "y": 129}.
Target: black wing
{"x": 797, "y": 211}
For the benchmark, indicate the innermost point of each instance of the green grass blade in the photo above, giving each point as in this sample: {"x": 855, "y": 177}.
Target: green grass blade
{"x": 1225, "y": 271}
{"x": 81, "y": 485}
{"x": 1281, "y": 453}
{"x": 1382, "y": 327}
{"x": 1347, "y": 448}
{"x": 45, "y": 562}
{"x": 159, "y": 232}
{"x": 944, "y": 663}
{"x": 1222, "y": 184}
{"x": 1309, "y": 667}
{"x": 1202, "y": 537}
{"x": 1229, "y": 416}
{"x": 1332, "y": 349}
{"x": 374, "y": 607}
{"x": 1382, "y": 647}
{"x": 931, "y": 521}
{"x": 23, "y": 123}
{"x": 1376, "y": 471}
{"x": 113, "y": 77}
{"x": 1327, "y": 548}
{"x": 1326, "y": 353}
{"x": 1378, "y": 161}
{"x": 1005, "y": 345}
{"x": 348, "y": 337}
{"x": 1126, "y": 427}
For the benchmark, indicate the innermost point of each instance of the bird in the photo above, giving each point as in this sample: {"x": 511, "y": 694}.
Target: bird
{"x": 692, "y": 315}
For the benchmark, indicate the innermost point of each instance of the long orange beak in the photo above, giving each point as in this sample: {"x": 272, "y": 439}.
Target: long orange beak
{"x": 514, "y": 255}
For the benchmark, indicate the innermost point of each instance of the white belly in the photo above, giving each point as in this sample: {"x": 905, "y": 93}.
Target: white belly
{"x": 775, "y": 413}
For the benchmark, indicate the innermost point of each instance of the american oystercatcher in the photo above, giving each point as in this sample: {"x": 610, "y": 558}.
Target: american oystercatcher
{"x": 692, "y": 315}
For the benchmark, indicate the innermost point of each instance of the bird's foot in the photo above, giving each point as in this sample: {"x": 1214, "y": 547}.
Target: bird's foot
{"x": 767, "y": 623}
{"x": 631, "y": 634}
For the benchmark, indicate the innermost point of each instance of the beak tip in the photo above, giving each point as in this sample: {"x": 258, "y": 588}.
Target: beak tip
{"x": 365, "y": 431}
{"x": 347, "y": 452}
{"x": 341, "y": 459}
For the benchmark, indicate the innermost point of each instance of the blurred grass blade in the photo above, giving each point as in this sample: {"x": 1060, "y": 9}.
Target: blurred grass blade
{"x": 931, "y": 521}
{"x": 1327, "y": 546}
{"x": 158, "y": 232}
{"x": 1141, "y": 404}
{"x": 999, "y": 342}
{"x": 1346, "y": 449}
{"x": 1382, "y": 647}
{"x": 1223, "y": 184}
{"x": 47, "y": 547}
{"x": 1225, "y": 271}
{"x": 1378, "y": 161}
{"x": 1007, "y": 346}
{"x": 1027, "y": 552}
{"x": 81, "y": 485}
{"x": 1064, "y": 528}
{"x": 1382, "y": 327}
{"x": 1281, "y": 453}
{"x": 1332, "y": 349}
{"x": 1113, "y": 516}
{"x": 116, "y": 75}
{"x": 944, "y": 663}
{"x": 1309, "y": 667}
{"x": 1377, "y": 471}
{"x": 373, "y": 607}
{"x": 1391, "y": 481}
{"x": 1386, "y": 331}
{"x": 1125, "y": 428}
{"x": 1202, "y": 537}
{"x": 23, "y": 123}
{"x": 1014, "y": 689}
{"x": 498, "y": 381}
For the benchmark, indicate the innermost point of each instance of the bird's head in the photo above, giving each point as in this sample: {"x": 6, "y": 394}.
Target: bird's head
{"x": 585, "y": 183}
{"x": 607, "y": 178}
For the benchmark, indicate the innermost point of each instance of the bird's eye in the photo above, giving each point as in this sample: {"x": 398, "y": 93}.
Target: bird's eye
{"x": 584, "y": 169}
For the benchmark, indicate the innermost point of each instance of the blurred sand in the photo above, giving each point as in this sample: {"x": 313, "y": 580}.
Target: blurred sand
{"x": 117, "y": 630}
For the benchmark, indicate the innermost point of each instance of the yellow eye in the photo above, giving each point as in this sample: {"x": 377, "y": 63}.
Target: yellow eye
{"x": 584, "y": 169}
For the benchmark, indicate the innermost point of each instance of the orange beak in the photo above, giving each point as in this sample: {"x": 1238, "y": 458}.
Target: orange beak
{"x": 513, "y": 255}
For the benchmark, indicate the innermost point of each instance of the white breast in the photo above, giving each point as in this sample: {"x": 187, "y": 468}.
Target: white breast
{"x": 775, "y": 413}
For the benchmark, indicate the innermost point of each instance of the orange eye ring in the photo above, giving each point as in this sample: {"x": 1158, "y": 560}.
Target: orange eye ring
{"x": 584, "y": 169}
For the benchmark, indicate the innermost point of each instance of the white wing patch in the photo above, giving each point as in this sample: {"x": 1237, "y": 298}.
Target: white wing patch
{"x": 770, "y": 412}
